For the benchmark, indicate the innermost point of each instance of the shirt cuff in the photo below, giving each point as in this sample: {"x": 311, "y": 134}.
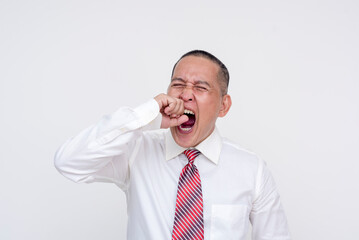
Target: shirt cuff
{"x": 149, "y": 115}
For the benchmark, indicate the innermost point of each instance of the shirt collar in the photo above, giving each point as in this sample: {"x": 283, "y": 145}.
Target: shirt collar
{"x": 210, "y": 147}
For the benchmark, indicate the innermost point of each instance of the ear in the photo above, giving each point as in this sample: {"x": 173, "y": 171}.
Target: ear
{"x": 226, "y": 105}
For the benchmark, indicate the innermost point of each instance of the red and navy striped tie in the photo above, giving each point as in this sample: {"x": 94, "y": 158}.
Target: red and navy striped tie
{"x": 188, "y": 223}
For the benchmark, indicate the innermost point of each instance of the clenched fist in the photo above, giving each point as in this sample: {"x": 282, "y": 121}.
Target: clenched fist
{"x": 172, "y": 110}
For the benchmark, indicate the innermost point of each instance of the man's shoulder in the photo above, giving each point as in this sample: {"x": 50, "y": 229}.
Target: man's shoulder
{"x": 236, "y": 150}
{"x": 235, "y": 146}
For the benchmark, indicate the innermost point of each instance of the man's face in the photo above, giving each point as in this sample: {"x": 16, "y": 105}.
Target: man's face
{"x": 195, "y": 81}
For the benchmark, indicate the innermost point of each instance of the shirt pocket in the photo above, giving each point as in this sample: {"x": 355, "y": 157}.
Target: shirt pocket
{"x": 229, "y": 221}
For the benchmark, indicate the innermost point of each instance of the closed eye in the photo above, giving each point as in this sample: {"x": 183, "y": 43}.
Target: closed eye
{"x": 201, "y": 88}
{"x": 178, "y": 85}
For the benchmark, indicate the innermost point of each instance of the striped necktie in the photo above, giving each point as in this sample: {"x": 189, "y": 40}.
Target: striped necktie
{"x": 188, "y": 222}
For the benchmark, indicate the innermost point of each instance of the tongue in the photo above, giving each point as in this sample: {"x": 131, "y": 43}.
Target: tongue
{"x": 190, "y": 122}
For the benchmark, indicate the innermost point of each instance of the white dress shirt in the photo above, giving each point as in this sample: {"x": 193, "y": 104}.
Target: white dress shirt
{"x": 129, "y": 149}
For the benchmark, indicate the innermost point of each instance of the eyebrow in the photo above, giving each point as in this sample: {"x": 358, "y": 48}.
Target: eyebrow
{"x": 195, "y": 82}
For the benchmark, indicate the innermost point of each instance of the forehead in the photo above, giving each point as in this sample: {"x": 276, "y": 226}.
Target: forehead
{"x": 194, "y": 68}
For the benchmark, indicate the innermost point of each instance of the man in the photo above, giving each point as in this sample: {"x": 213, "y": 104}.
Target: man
{"x": 215, "y": 195}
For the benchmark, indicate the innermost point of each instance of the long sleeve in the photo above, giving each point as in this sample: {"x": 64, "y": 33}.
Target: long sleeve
{"x": 267, "y": 216}
{"x": 102, "y": 151}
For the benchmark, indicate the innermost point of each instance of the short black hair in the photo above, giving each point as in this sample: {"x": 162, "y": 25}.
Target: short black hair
{"x": 223, "y": 74}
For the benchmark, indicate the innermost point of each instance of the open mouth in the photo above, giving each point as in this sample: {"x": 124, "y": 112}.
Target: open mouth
{"x": 186, "y": 127}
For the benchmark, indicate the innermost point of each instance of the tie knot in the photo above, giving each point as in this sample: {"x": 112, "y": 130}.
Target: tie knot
{"x": 191, "y": 154}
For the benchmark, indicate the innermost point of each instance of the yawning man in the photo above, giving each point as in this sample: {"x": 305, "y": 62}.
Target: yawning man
{"x": 186, "y": 182}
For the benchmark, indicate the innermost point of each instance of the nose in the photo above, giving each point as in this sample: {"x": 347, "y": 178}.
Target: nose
{"x": 187, "y": 94}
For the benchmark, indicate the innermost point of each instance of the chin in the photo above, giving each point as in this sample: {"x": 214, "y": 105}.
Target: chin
{"x": 183, "y": 140}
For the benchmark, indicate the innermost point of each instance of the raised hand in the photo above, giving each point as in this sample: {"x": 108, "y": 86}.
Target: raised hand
{"x": 172, "y": 110}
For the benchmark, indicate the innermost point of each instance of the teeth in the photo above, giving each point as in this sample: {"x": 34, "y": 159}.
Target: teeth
{"x": 184, "y": 129}
{"x": 188, "y": 111}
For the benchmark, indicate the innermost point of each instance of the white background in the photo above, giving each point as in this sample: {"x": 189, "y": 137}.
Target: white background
{"x": 294, "y": 69}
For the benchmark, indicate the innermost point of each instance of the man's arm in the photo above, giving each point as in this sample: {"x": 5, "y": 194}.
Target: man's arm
{"x": 102, "y": 151}
{"x": 267, "y": 216}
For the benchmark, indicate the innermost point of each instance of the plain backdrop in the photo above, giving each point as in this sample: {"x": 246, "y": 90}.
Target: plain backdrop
{"x": 294, "y": 85}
